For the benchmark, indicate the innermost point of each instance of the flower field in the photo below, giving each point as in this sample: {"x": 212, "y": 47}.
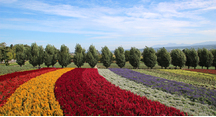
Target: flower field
{"x": 113, "y": 91}
{"x": 211, "y": 78}
{"x": 179, "y": 102}
{"x": 196, "y": 94}
{"x": 78, "y": 91}
{"x": 210, "y": 71}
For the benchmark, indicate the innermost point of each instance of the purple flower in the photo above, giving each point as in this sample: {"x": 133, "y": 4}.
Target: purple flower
{"x": 200, "y": 94}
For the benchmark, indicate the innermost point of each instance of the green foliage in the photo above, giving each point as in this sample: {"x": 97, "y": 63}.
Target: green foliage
{"x": 134, "y": 58}
{"x": 178, "y": 58}
{"x": 34, "y": 53}
{"x": 27, "y": 52}
{"x": 213, "y": 51}
{"x": 163, "y": 57}
{"x": 20, "y": 54}
{"x": 188, "y": 57}
{"x": 64, "y": 57}
{"x": 41, "y": 55}
{"x": 49, "y": 53}
{"x": 79, "y": 57}
{"x": 92, "y": 56}
{"x": 107, "y": 56}
{"x": 149, "y": 57}
{"x": 120, "y": 57}
{"x": 194, "y": 58}
{"x": 127, "y": 55}
{"x": 55, "y": 56}
{"x": 205, "y": 57}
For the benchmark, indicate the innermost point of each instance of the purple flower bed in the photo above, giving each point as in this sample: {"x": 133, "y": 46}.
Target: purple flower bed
{"x": 199, "y": 94}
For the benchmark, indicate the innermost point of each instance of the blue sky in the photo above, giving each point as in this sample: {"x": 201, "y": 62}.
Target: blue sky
{"x": 111, "y": 23}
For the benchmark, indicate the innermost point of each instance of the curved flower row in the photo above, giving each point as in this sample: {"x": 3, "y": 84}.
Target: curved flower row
{"x": 12, "y": 75}
{"x": 85, "y": 92}
{"x": 35, "y": 97}
{"x": 12, "y": 81}
{"x": 179, "y": 102}
{"x": 187, "y": 90}
{"x": 210, "y": 71}
{"x": 211, "y": 78}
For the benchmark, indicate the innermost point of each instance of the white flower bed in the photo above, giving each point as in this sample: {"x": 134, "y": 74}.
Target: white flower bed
{"x": 179, "y": 102}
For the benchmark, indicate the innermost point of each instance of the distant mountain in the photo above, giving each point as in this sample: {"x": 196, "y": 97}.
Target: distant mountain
{"x": 178, "y": 45}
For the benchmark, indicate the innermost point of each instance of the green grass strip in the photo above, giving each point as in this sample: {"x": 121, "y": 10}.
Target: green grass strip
{"x": 179, "y": 102}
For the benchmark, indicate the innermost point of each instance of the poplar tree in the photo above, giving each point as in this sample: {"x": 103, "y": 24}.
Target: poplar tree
{"x": 120, "y": 57}
{"x": 188, "y": 57}
{"x": 206, "y": 57}
{"x": 48, "y": 55}
{"x": 92, "y": 56}
{"x": 213, "y": 51}
{"x": 149, "y": 57}
{"x": 178, "y": 58}
{"x": 194, "y": 58}
{"x": 34, "y": 54}
{"x": 41, "y": 55}
{"x": 163, "y": 58}
{"x": 55, "y": 56}
{"x": 107, "y": 56}
{"x": 79, "y": 56}
{"x": 209, "y": 59}
{"x": 20, "y": 54}
{"x": 64, "y": 57}
{"x": 134, "y": 59}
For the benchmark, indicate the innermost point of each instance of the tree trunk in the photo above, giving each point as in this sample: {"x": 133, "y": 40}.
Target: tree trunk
{"x": 165, "y": 68}
{"x": 207, "y": 67}
{"x": 180, "y": 67}
{"x": 194, "y": 67}
{"x": 202, "y": 67}
{"x": 188, "y": 67}
{"x": 62, "y": 66}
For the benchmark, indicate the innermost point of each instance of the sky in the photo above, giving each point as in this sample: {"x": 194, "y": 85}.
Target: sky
{"x": 111, "y": 23}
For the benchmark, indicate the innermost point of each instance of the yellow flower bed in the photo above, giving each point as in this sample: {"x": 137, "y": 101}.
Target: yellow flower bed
{"x": 35, "y": 97}
{"x": 191, "y": 73}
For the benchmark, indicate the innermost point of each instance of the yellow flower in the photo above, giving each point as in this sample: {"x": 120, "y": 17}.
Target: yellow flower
{"x": 36, "y": 95}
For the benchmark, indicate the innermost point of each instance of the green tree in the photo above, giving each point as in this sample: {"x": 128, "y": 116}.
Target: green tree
{"x": 34, "y": 53}
{"x": 188, "y": 57}
{"x": 120, "y": 57}
{"x": 64, "y": 57}
{"x": 79, "y": 56}
{"x": 149, "y": 57}
{"x": 194, "y": 58}
{"x": 55, "y": 56}
{"x": 92, "y": 56}
{"x": 163, "y": 57}
{"x": 127, "y": 55}
{"x": 213, "y": 51}
{"x": 206, "y": 57}
{"x": 134, "y": 59}
{"x": 20, "y": 54}
{"x": 27, "y": 51}
{"x": 209, "y": 59}
{"x": 178, "y": 58}
{"x": 41, "y": 55}
{"x": 48, "y": 55}
{"x": 106, "y": 56}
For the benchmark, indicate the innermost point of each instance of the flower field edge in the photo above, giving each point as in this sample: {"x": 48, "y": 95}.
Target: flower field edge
{"x": 198, "y": 94}
{"x": 179, "y": 102}
{"x": 83, "y": 91}
{"x": 35, "y": 97}
{"x": 9, "y": 85}
{"x": 210, "y": 71}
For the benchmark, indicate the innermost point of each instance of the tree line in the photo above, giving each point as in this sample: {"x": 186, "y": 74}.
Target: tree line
{"x": 37, "y": 55}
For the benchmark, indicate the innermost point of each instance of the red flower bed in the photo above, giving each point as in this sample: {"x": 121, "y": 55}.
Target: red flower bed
{"x": 10, "y": 82}
{"x": 85, "y": 92}
{"x": 210, "y": 71}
